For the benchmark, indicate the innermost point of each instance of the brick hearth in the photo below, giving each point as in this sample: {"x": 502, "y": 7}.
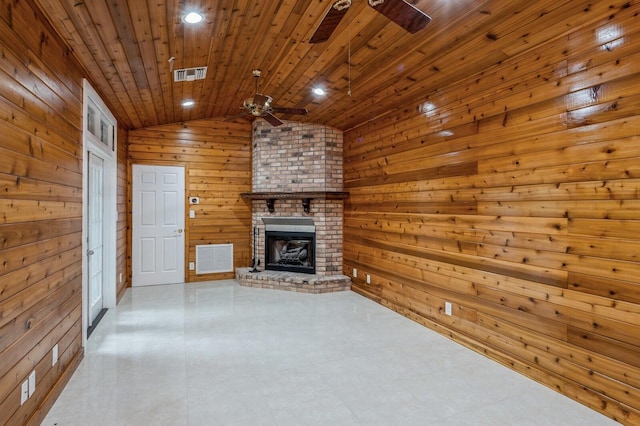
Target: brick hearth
{"x": 292, "y": 281}
{"x": 297, "y": 158}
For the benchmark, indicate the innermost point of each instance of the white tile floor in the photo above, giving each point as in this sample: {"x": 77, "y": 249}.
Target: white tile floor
{"x": 220, "y": 354}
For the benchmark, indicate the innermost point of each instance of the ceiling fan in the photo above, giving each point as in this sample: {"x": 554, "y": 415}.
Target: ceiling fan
{"x": 259, "y": 105}
{"x": 402, "y": 13}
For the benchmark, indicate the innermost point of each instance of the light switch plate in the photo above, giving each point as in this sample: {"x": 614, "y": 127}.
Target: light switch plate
{"x": 54, "y": 355}
{"x": 32, "y": 383}
{"x": 447, "y": 308}
{"x": 24, "y": 392}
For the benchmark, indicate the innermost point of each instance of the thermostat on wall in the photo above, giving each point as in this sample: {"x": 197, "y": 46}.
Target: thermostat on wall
{"x": 194, "y": 200}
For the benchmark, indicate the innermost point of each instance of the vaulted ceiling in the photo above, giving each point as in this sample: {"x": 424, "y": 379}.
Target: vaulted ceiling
{"x": 368, "y": 66}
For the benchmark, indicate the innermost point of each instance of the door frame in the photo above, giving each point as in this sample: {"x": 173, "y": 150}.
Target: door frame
{"x": 109, "y": 156}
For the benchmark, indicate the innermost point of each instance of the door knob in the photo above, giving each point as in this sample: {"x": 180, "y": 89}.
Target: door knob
{"x": 90, "y": 252}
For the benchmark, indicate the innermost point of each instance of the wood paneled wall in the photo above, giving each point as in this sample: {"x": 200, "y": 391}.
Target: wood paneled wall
{"x": 123, "y": 280}
{"x": 40, "y": 211}
{"x": 515, "y": 196}
{"x": 217, "y": 160}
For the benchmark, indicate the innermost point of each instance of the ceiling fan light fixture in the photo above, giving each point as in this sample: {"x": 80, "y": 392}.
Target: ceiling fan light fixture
{"x": 257, "y": 109}
{"x": 342, "y": 4}
{"x": 193, "y": 17}
{"x": 188, "y": 103}
{"x": 319, "y": 91}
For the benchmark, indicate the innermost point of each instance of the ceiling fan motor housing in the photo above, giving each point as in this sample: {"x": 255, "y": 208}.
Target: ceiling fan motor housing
{"x": 257, "y": 109}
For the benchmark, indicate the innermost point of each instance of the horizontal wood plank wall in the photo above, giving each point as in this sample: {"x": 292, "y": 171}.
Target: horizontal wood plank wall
{"x": 515, "y": 196}
{"x": 40, "y": 211}
{"x": 217, "y": 159}
{"x": 122, "y": 265}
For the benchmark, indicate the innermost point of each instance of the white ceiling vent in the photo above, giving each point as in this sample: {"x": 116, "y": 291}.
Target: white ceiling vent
{"x": 190, "y": 74}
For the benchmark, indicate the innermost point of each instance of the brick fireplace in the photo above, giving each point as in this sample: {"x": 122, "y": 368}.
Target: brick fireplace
{"x": 297, "y": 177}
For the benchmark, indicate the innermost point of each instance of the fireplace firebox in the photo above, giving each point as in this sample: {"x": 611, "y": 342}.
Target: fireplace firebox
{"x": 290, "y": 245}
{"x": 290, "y": 251}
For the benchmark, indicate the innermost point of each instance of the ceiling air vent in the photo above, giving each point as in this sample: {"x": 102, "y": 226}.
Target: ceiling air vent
{"x": 190, "y": 74}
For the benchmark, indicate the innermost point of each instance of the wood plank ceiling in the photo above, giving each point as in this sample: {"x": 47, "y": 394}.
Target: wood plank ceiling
{"x": 126, "y": 47}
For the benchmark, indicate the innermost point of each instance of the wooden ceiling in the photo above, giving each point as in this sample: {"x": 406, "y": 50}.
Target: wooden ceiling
{"x": 126, "y": 47}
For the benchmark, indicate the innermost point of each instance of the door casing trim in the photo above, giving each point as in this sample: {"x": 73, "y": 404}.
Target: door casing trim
{"x": 110, "y": 207}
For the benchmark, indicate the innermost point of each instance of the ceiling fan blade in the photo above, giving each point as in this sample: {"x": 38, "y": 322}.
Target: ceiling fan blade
{"x": 298, "y": 111}
{"x": 272, "y": 119}
{"x": 330, "y": 21}
{"x": 260, "y": 100}
{"x": 402, "y": 13}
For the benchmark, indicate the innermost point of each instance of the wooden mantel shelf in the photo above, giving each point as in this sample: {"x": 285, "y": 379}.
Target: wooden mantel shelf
{"x": 306, "y": 197}
{"x": 326, "y": 195}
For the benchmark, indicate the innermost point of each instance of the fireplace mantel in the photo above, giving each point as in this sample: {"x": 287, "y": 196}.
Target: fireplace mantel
{"x": 306, "y": 197}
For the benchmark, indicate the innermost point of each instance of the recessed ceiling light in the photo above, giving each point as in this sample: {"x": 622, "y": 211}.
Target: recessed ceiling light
{"x": 427, "y": 108}
{"x": 319, "y": 91}
{"x": 193, "y": 18}
{"x": 188, "y": 103}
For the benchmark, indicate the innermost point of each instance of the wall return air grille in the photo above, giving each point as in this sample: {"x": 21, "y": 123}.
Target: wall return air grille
{"x": 214, "y": 258}
{"x": 190, "y": 74}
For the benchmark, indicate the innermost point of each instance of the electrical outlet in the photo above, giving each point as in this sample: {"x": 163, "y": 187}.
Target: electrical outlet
{"x": 447, "y": 308}
{"x": 54, "y": 355}
{"x": 24, "y": 392}
{"x": 192, "y": 266}
{"x": 355, "y": 273}
{"x": 368, "y": 279}
{"x": 32, "y": 383}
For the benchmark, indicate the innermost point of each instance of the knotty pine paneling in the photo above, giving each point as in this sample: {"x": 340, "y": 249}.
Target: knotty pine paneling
{"x": 123, "y": 277}
{"x": 217, "y": 160}
{"x": 514, "y": 195}
{"x": 40, "y": 211}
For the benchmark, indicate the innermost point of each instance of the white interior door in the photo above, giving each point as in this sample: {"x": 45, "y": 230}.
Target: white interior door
{"x": 95, "y": 237}
{"x": 158, "y": 225}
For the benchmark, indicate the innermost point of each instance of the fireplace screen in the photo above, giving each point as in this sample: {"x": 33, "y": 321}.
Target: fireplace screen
{"x": 290, "y": 251}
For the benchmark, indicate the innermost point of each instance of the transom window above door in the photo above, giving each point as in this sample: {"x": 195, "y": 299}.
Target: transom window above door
{"x": 100, "y": 127}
